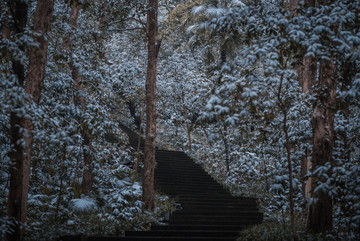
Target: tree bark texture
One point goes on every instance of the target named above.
(151, 114)
(20, 175)
(306, 71)
(307, 78)
(320, 213)
(88, 177)
(293, 5)
(16, 197)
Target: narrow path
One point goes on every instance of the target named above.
(208, 211)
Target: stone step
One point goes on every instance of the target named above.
(218, 205)
(183, 233)
(183, 167)
(225, 208)
(215, 198)
(202, 218)
(173, 158)
(184, 178)
(175, 192)
(142, 238)
(217, 212)
(226, 196)
(209, 186)
(187, 181)
(175, 174)
(180, 168)
(236, 228)
(213, 222)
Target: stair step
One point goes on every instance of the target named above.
(236, 228)
(220, 197)
(183, 233)
(182, 176)
(186, 181)
(221, 212)
(205, 207)
(214, 222)
(215, 199)
(142, 238)
(189, 171)
(192, 186)
(175, 192)
(201, 218)
(219, 202)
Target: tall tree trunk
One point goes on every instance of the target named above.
(320, 213)
(306, 72)
(20, 175)
(88, 177)
(307, 78)
(14, 206)
(151, 114)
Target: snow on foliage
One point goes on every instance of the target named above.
(84, 204)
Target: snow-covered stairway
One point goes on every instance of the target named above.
(208, 211)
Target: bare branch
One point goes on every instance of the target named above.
(125, 29)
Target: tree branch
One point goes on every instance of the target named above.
(125, 29)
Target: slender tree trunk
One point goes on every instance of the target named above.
(226, 149)
(188, 129)
(88, 177)
(320, 213)
(136, 166)
(288, 152)
(291, 191)
(21, 157)
(151, 114)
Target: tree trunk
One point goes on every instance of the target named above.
(284, 110)
(188, 129)
(307, 78)
(226, 149)
(293, 5)
(149, 152)
(320, 213)
(306, 72)
(88, 177)
(291, 188)
(138, 156)
(20, 175)
(15, 211)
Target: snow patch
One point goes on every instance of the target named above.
(84, 204)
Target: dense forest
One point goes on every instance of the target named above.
(264, 94)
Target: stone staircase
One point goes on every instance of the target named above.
(208, 212)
